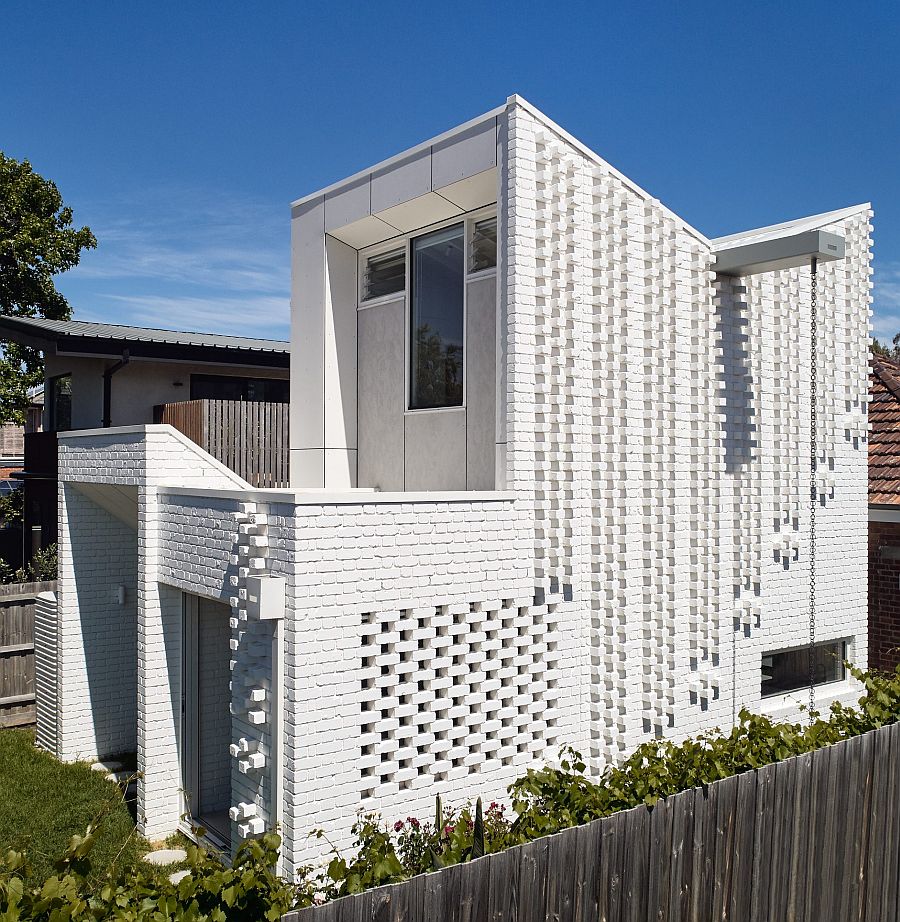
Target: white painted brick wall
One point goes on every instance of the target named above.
(655, 451)
(97, 661)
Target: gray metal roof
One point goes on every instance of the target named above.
(86, 337)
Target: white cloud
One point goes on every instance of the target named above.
(180, 259)
(260, 317)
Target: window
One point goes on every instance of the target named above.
(483, 251)
(60, 407)
(436, 319)
(788, 670)
(385, 275)
(233, 387)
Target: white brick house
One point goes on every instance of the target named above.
(571, 507)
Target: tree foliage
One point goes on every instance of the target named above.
(891, 351)
(37, 242)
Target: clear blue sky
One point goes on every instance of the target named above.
(181, 131)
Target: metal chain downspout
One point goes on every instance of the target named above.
(813, 479)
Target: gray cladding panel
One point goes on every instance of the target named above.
(401, 182)
(382, 395)
(436, 450)
(464, 155)
(481, 384)
(347, 204)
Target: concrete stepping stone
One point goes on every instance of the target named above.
(177, 876)
(164, 856)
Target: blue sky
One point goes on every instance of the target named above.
(180, 131)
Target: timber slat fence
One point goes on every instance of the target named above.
(248, 436)
(815, 838)
(17, 603)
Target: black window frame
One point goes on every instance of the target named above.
(52, 408)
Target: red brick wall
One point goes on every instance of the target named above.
(884, 594)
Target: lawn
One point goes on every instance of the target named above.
(43, 803)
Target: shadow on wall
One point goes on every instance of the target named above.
(741, 428)
(104, 561)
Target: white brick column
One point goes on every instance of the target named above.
(159, 684)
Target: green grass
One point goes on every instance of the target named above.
(43, 803)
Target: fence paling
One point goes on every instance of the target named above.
(17, 678)
(816, 837)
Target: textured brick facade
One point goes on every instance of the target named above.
(653, 541)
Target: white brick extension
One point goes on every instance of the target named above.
(650, 543)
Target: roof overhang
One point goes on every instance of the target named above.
(788, 252)
(26, 332)
(444, 178)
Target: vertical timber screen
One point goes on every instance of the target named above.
(249, 437)
(815, 838)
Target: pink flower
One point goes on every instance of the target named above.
(449, 829)
(412, 822)
(398, 825)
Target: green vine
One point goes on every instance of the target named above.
(544, 801)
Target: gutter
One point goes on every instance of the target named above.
(107, 387)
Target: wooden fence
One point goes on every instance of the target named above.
(249, 437)
(17, 603)
(815, 838)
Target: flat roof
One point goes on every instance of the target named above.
(80, 337)
(787, 228)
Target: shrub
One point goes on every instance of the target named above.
(552, 798)
(43, 566)
(249, 889)
(544, 800)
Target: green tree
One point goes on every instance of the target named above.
(37, 242)
(883, 349)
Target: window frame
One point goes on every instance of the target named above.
(394, 245)
(409, 309)
(468, 219)
(776, 696)
(50, 386)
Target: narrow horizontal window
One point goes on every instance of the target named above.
(483, 248)
(385, 275)
(789, 670)
(436, 319)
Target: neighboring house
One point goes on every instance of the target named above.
(884, 514)
(550, 485)
(102, 375)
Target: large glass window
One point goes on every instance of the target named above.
(788, 670)
(60, 415)
(233, 387)
(436, 319)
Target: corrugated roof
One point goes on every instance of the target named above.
(884, 432)
(55, 329)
